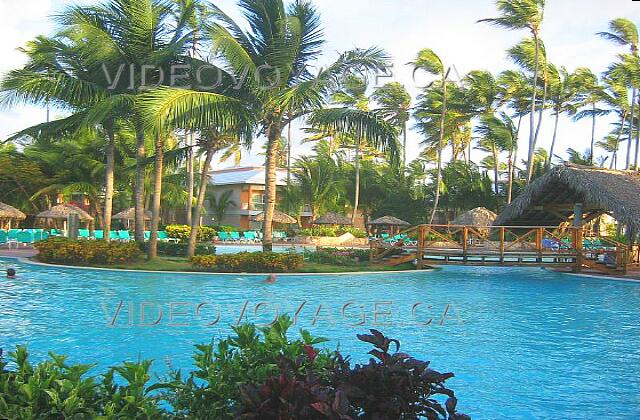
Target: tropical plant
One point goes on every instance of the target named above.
(395, 105)
(221, 204)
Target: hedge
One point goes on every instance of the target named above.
(182, 232)
(171, 249)
(249, 262)
(71, 251)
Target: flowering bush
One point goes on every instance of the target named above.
(332, 232)
(182, 232)
(337, 256)
(70, 251)
(171, 249)
(249, 262)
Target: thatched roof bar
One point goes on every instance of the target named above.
(9, 212)
(332, 219)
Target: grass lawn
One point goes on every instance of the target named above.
(181, 264)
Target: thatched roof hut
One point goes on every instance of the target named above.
(278, 217)
(479, 216)
(62, 211)
(332, 219)
(550, 200)
(388, 221)
(9, 212)
(130, 214)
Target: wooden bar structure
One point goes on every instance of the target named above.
(542, 246)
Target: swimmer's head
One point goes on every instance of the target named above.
(11, 272)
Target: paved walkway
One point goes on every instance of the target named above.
(18, 253)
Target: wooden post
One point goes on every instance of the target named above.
(465, 241)
(578, 246)
(502, 232)
(539, 234)
(420, 251)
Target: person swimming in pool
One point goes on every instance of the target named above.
(11, 273)
(271, 279)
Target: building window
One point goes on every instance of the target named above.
(257, 202)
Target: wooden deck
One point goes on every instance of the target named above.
(567, 248)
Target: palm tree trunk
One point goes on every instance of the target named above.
(495, 169)
(197, 211)
(532, 115)
(553, 139)
(289, 155)
(275, 132)
(356, 200)
(637, 146)
(190, 178)
(593, 133)
(541, 110)
(108, 182)
(436, 200)
(157, 196)
(404, 145)
(614, 158)
(139, 184)
(630, 139)
(510, 169)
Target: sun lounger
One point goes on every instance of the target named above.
(84, 234)
(235, 236)
(164, 237)
(124, 235)
(25, 238)
(223, 237)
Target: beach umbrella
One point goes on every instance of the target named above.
(479, 216)
(62, 212)
(332, 219)
(392, 223)
(130, 214)
(9, 213)
(278, 217)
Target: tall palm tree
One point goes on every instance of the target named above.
(562, 92)
(395, 104)
(429, 61)
(270, 65)
(624, 32)
(516, 15)
(588, 96)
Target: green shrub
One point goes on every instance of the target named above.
(71, 251)
(332, 231)
(254, 374)
(182, 232)
(172, 249)
(337, 256)
(226, 228)
(249, 262)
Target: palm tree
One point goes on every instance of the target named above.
(588, 95)
(429, 61)
(395, 104)
(624, 32)
(271, 67)
(524, 14)
(562, 91)
(221, 204)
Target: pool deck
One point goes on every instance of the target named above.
(28, 252)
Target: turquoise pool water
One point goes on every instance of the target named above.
(523, 343)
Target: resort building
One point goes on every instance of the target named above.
(247, 196)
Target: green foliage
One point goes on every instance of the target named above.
(249, 262)
(337, 256)
(70, 251)
(182, 232)
(225, 228)
(332, 231)
(258, 373)
(55, 389)
(171, 249)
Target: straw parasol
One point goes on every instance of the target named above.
(278, 217)
(62, 211)
(332, 219)
(130, 214)
(9, 213)
(479, 216)
(389, 221)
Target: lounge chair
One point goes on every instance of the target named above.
(147, 235)
(235, 236)
(84, 234)
(98, 234)
(113, 235)
(249, 237)
(3, 237)
(223, 237)
(164, 237)
(25, 238)
(124, 235)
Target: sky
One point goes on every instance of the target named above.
(402, 28)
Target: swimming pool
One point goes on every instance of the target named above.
(523, 343)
